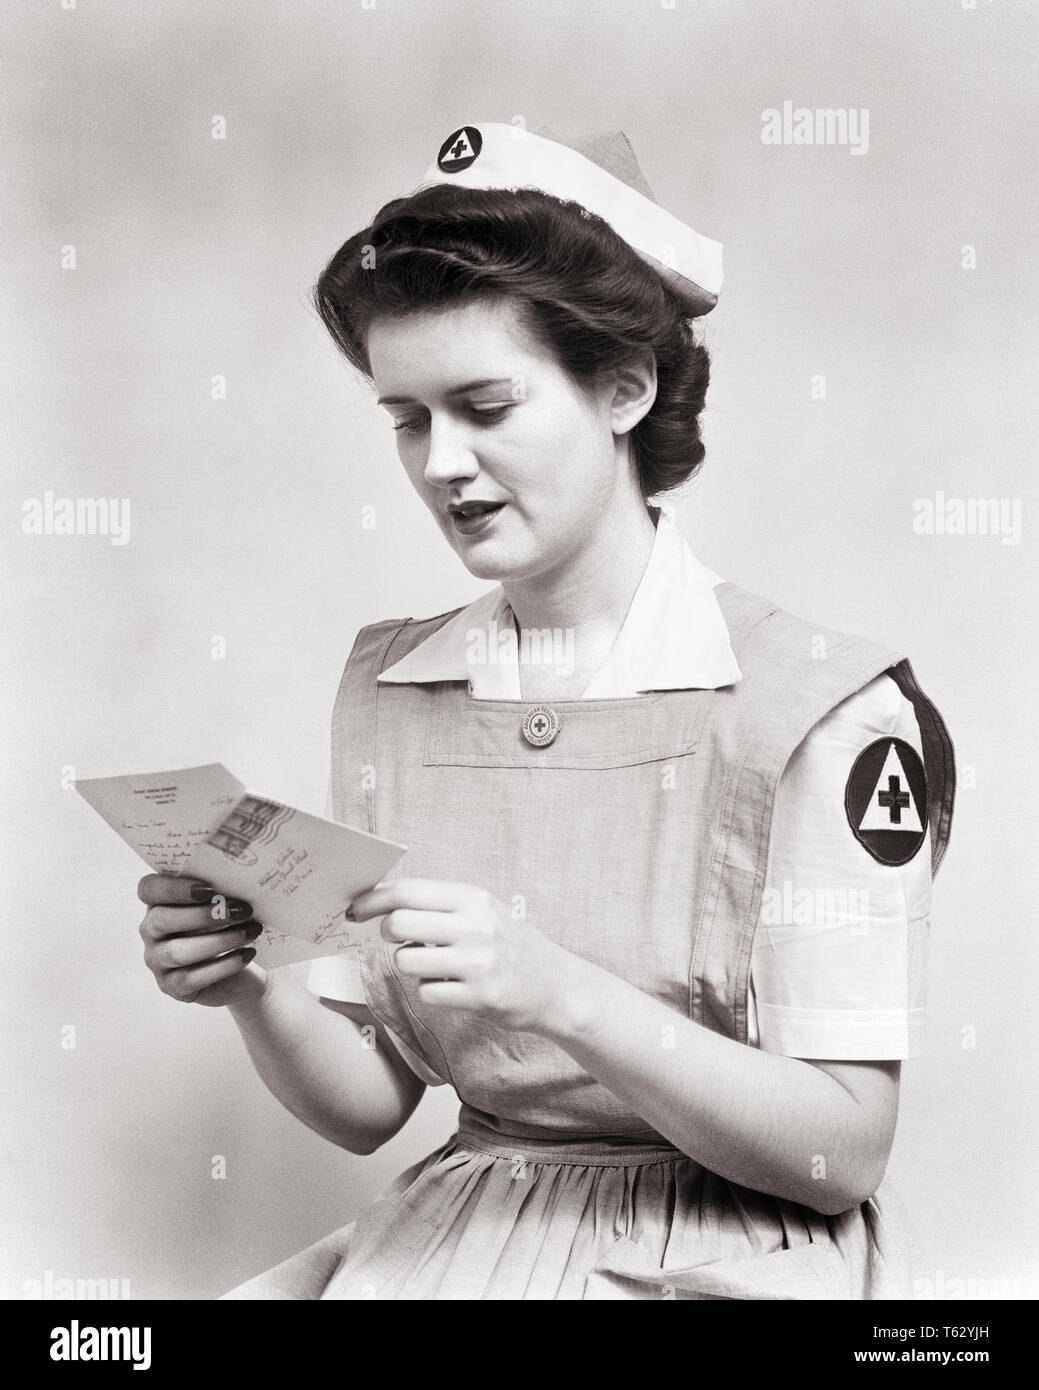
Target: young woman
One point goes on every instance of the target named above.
(663, 916)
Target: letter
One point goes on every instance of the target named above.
(831, 126)
(538, 645)
(804, 126)
(831, 906)
(771, 129)
(142, 1348)
(955, 516)
(119, 520)
(939, 513)
(923, 517)
(115, 1344)
(91, 516)
(32, 518)
(860, 141)
(89, 1344)
(60, 1344)
(968, 257)
(32, 1288)
(982, 516)
(506, 650)
(91, 1289)
(788, 901)
(565, 664)
(476, 647)
(770, 913)
(803, 908)
(64, 517)
(1011, 528)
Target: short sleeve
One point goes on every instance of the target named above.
(839, 961)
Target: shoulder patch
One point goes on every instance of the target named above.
(885, 800)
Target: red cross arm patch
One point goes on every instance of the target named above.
(886, 800)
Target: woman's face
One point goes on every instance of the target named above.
(484, 414)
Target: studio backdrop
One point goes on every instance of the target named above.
(175, 176)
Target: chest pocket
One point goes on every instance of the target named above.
(466, 732)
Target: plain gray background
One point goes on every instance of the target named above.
(193, 259)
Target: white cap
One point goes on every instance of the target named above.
(602, 174)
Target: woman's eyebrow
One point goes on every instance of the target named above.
(455, 390)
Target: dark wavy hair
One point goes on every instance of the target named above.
(581, 291)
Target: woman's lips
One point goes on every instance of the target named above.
(470, 525)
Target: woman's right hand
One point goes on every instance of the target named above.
(185, 937)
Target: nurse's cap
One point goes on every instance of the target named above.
(602, 174)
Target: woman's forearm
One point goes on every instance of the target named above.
(331, 1073)
(768, 1122)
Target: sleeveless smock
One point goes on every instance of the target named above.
(637, 839)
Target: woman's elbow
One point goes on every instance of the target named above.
(836, 1196)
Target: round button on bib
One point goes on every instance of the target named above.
(540, 725)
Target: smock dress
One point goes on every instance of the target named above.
(696, 824)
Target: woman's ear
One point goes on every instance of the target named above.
(634, 390)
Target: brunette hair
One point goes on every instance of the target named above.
(581, 291)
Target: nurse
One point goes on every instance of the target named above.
(663, 919)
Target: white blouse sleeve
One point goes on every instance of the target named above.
(338, 977)
(839, 962)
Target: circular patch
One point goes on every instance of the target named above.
(886, 800)
(540, 725)
(459, 150)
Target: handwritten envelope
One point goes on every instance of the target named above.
(298, 871)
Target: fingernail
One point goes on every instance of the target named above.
(253, 930)
(238, 909)
(201, 892)
(350, 915)
(247, 953)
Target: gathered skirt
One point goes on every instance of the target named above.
(485, 1216)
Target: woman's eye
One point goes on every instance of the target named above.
(494, 414)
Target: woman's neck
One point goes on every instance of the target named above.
(590, 596)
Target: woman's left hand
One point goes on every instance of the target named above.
(474, 955)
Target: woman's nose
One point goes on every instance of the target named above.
(450, 454)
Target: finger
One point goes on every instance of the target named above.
(170, 888)
(430, 962)
(185, 984)
(431, 928)
(174, 952)
(177, 921)
(450, 994)
(423, 894)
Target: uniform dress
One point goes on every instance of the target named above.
(685, 827)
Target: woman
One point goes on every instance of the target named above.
(664, 908)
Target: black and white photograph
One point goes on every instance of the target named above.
(520, 599)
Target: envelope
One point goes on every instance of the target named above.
(299, 872)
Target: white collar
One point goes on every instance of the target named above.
(674, 636)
